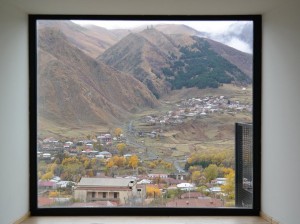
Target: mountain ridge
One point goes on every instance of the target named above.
(74, 88)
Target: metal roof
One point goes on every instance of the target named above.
(105, 182)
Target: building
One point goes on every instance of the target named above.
(244, 164)
(119, 190)
(104, 138)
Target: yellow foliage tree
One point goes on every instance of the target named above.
(152, 191)
(53, 194)
(110, 163)
(196, 177)
(47, 176)
(152, 165)
(118, 132)
(121, 147)
(229, 187)
(119, 160)
(133, 161)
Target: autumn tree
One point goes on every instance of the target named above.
(53, 194)
(121, 147)
(195, 177)
(73, 169)
(152, 191)
(110, 163)
(133, 161)
(47, 176)
(151, 165)
(229, 187)
(119, 160)
(118, 132)
(96, 164)
(211, 172)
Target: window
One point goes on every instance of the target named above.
(164, 111)
(115, 194)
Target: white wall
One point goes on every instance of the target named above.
(281, 111)
(14, 166)
(281, 92)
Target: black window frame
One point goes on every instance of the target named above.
(148, 211)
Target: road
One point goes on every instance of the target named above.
(149, 155)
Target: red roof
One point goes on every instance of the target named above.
(44, 201)
(46, 184)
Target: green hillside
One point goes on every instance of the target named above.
(200, 66)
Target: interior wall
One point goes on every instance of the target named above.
(14, 160)
(281, 79)
(281, 110)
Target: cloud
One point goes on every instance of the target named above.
(240, 45)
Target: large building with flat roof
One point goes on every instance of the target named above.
(119, 190)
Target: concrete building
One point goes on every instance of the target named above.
(120, 190)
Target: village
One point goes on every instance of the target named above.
(105, 188)
(116, 168)
(198, 108)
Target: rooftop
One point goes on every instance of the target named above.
(105, 182)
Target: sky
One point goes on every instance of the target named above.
(206, 26)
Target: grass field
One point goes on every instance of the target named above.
(214, 132)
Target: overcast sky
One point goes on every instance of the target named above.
(207, 26)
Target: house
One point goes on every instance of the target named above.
(105, 154)
(186, 186)
(119, 190)
(47, 185)
(104, 138)
(157, 175)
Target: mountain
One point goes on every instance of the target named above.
(74, 89)
(178, 29)
(92, 40)
(203, 65)
(163, 61)
(242, 60)
(143, 55)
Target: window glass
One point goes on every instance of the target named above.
(145, 113)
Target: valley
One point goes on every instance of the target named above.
(158, 108)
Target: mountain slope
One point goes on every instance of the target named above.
(75, 90)
(143, 55)
(92, 40)
(174, 61)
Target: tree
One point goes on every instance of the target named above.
(133, 161)
(121, 147)
(53, 194)
(73, 169)
(118, 132)
(97, 146)
(229, 187)
(211, 172)
(196, 175)
(152, 191)
(47, 176)
(119, 160)
(110, 163)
